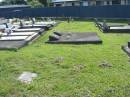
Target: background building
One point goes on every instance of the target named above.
(65, 3)
(88, 2)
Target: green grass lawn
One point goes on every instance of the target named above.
(68, 70)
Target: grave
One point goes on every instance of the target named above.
(15, 37)
(113, 27)
(121, 29)
(74, 38)
(12, 45)
(126, 48)
(16, 42)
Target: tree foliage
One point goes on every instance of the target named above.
(8, 2)
(33, 3)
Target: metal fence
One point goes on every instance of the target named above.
(114, 11)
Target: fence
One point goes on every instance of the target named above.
(114, 11)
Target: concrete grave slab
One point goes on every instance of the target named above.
(71, 37)
(12, 44)
(16, 42)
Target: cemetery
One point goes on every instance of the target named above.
(64, 52)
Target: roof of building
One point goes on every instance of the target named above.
(54, 1)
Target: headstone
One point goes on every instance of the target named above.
(33, 21)
(49, 19)
(129, 22)
(8, 31)
(6, 25)
(27, 77)
(21, 24)
(105, 25)
(129, 44)
(43, 19)
(0, 34)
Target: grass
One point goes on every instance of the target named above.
(68, 70)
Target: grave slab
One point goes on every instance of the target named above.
(75, 37)
(15, 42)
(113, 27)
(12, 44)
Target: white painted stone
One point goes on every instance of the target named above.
(124, 27)
(13, 37)
(45, 23)
(28, 29)
(19, 34)
(35, 25)
(31, 37)
(27, 77)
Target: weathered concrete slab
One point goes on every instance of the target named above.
(12, 44)
(86, 37)
(16, 42)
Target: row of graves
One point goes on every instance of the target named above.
(16, 33)
(108, 27)
(112, 27)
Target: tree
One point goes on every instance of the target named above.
(43, 2)
(8, 2)
(33, 3)
(38, 2)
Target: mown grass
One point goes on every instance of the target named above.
(68, 70)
